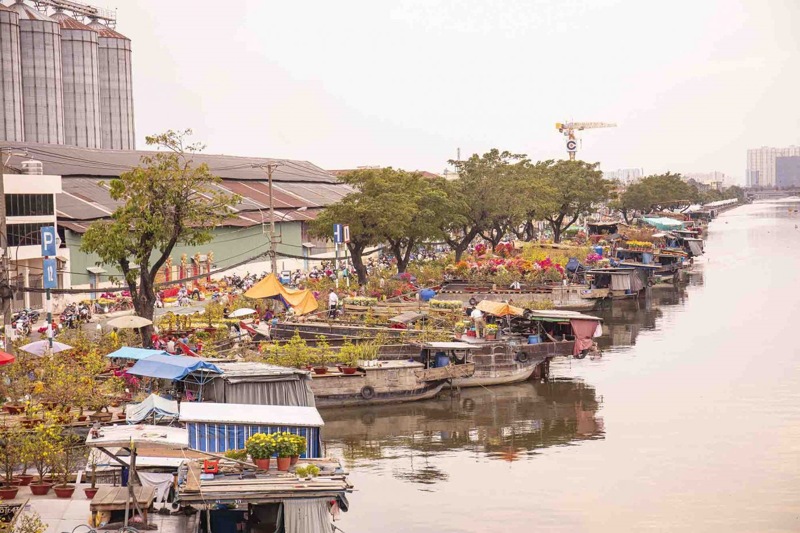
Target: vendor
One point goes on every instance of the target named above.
(480, 324)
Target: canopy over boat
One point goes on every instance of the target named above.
(173, 367)
(499, 308)
(128, 352)
(301, 301)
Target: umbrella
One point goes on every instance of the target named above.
(43, 347)
(129, 322)
(6, 358)
(244, 311)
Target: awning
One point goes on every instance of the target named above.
(301, 301)
(153, 406)
(173, 367)
(258, 415)
(499, 308)
(96, 270)
(127, 352)
(140, 434)
(663, 223)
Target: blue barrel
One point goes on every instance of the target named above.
(533, 339)
(598, 250)
(442, 360)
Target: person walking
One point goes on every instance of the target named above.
(333, 303)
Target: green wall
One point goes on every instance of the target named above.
(230, 246)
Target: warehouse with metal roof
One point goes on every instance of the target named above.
(300, 190)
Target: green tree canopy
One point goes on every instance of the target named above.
(657, 192)
(574, 188)
(166, 200)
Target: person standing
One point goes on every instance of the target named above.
(333, 303)
(478, 320)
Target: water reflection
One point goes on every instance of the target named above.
(506, 423)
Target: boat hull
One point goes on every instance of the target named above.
(490, 377)
(353, 399)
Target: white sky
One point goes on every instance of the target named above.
(691, 83)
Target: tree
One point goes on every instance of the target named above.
(575, 188)
(167, 200)
(388, 206)
(486, 199)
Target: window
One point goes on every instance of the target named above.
(25, 234)
(29, 205)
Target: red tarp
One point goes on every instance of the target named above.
(584, 331)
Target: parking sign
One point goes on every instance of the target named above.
(48, 241)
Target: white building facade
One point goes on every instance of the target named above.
(762, 163)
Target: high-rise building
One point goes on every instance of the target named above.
(624, 175)
(762, 164)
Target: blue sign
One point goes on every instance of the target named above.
(50, 274)
(341, 233)
(48, 241)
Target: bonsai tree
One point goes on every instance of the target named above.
(68, 457)
(12, 449)
(43, 445)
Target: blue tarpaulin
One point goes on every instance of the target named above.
(172, 367)
(126, 352)
(663, 223)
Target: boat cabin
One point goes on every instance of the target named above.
(622, 282)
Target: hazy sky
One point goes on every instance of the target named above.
(691, 83)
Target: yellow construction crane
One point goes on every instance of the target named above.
(569, 129)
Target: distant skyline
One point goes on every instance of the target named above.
(692, 85)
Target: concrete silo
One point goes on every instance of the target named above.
(79, 64)
(116, 89)
(11, 124)
(40, 58)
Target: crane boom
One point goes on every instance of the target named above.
(569, 129)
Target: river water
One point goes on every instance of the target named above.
(690, 420)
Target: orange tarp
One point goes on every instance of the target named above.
(302, 301)
(499, 308)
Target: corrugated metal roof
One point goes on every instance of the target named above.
(84, 200)
(105, 31)
(262, 415)
(87, 162)
(69, 23)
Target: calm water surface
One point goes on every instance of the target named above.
(690, 421)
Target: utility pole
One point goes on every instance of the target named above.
(269, 167)
(5, 302)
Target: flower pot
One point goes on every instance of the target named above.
(40, 489)
(25, 479)
(82, 418)
(320, 369)
(29, 423)
(90, 492)
(294, 459)
(16, 482)
(284, 463)
(491, 336)
(100, 417)
(8, 493)
(263, 464)
(13, 408)
(348, 370)
(64, 491)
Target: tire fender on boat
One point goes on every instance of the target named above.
(522, 357)
(367, 392)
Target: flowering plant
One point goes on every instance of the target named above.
(285, 444)
(491, 328)
(446, 304)
(300, 444)
(260, 446)
(593, 258)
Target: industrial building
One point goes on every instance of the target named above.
(763, 166)
(64, 81)
(300, 191)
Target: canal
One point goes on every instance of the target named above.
(689, 421)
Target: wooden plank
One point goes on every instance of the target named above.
(193, 477)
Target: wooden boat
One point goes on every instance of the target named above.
(574, 296)
(496, 362)
(386, 382)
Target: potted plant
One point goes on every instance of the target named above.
(349, 356)
(307, 471)
(42, 446)
(11, 449)
(260, 448)
(459, 329)
(284, 447)
(299, 448)
(66, 460)
(92, 490)
(491, 332)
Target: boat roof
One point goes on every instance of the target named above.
(243, 369)
(122, 436)
(406, 317)
(565, 315)
(449, 345)
(612, 270)
(264, 415)
(636, 265)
